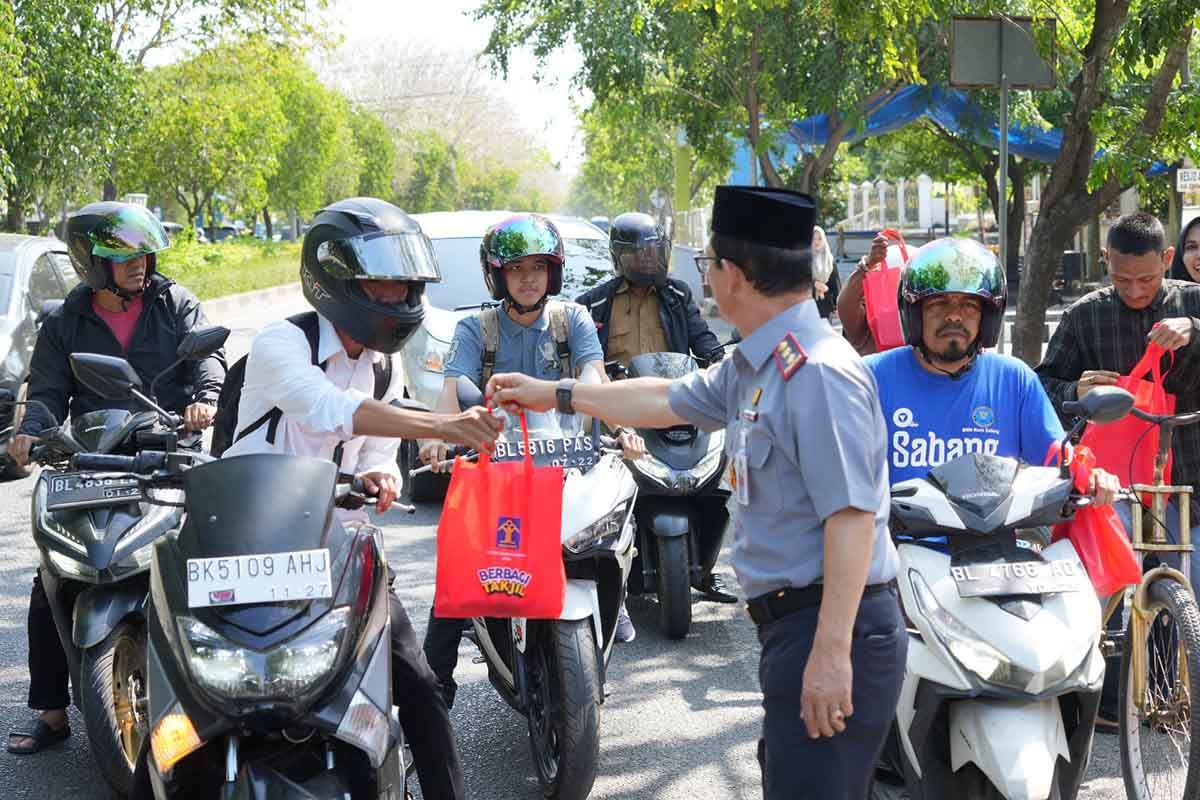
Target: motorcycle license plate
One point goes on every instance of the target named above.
(1025, 577)
(66, 490)
(566, 452)
(261, 578)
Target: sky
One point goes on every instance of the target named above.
(548, 105)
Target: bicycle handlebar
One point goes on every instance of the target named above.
(1167, 420)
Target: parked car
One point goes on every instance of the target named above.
(35, 276)
(174, 229)
(456, 236)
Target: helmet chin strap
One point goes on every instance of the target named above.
(972, 354)
(124, 295)
(520, 309)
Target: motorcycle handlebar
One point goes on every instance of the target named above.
(143, 463)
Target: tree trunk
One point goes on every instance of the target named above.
(1051, 236)
(267, 224)
(15, 221)
(1016, 210)
(110, 182)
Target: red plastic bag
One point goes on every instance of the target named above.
(1097, 534)
(1131, 441)
(499, 541)
(880, 290)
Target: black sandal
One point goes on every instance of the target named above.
(43, 736)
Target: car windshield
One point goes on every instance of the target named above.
(555, 439)
(588, 264)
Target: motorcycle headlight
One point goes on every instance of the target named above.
(288, 670)
(72, 568)
(600, 533)
(652, 468)
(712, 459)
(47, 521)
(985, 661)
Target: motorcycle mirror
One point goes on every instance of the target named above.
(107, 376)
(1101, 405)
(468, 393)
(202, 342)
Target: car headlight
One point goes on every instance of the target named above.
(288, 670)
(601, 532)
(72, 568)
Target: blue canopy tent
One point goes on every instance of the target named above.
(950, 109)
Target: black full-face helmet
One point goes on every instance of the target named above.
(367, 239)
(641, 250)
(100, 234)
(953, 266)
(516, 237)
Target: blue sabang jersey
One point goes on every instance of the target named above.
(998, 407)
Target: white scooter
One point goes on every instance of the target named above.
(552, 671)
(1004, 671)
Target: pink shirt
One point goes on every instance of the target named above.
(120, 322)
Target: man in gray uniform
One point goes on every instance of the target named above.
(808, 453)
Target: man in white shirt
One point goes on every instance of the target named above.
(314, 386)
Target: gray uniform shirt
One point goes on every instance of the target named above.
(815, 440)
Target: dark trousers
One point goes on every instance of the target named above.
(795, 767)
(442, 638)
(49, 672)
(423, 713)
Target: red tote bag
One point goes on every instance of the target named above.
(1127, 447)
(1097, 534)
(499, 541)
(880, 289)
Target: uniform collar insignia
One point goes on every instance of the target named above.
(789, 356)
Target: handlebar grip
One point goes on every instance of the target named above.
(103, 462)
(1072, 408)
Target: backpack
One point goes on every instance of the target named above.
(225, 425)
(489, 328)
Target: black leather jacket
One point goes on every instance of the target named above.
(686, 330)
(169, 313)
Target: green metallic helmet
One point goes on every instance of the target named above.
(102, 233)
(953, 266)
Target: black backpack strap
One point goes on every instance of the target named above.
(310, 324)
(383, 376)
(489, 332)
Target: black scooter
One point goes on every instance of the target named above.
(95, 532)
(681, 509)
(268, 661)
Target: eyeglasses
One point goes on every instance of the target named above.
(704, 262)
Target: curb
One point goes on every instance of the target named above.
(222, 305)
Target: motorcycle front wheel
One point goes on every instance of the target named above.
(674, 586)
(114, 703)
(1160, 742)
(564, 709)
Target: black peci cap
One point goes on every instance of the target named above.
(771, 217)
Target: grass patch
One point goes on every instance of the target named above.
(230, 267)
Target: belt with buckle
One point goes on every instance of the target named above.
(781, 602)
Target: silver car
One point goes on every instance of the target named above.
(35, 276)
(456, 236)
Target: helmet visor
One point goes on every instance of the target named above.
(397, 257)
(128, 233)
(644, 263)
(523, 236)
(945, 268)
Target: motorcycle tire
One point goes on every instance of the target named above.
(564, 713)
(674, 586)
(114, 705)
(1176, 624)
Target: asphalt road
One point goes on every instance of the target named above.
(680, 721)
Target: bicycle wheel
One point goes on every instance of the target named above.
(1160, 744)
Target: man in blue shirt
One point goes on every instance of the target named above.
(522, 262)
(941, 396)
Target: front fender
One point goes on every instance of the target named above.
(669, 524)
(99, 609)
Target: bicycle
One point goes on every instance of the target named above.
(1160, 644)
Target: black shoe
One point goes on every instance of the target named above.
(711, 588)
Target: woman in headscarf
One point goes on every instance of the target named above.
(1185, 266)
(826, 281)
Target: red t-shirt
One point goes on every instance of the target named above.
(120, 322)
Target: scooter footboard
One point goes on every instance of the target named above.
(1016, 745)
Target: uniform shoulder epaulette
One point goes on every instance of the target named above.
(789, 356)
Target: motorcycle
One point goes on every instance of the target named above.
(1004, 672)
(268, 652)
(552, 671)
(681, 510)
(95, 531)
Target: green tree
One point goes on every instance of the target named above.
(75, 92)
(433, 183)
(217, 126)
(1121, 63)
(10, 83)
(741, 69)
(377, 152)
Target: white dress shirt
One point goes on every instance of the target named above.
(318, 405)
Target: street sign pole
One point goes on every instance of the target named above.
(1002, 223)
